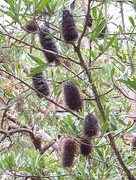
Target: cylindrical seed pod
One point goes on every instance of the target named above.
(85, 150)
(90, 126)
(48, 44)
(32, 26)
(72, 95)
(69, 29)
(68, 151)
(133, 143)
(89, 23)
(40, 84)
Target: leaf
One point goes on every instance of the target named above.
(37, 60)
(132, 21)
(120, 28)
(107, 113)
(54, 86)
(129, 83)
(94, 11)
(26, 169)
(8, 94)
(131, 159)
(49, 36)
(105, 127)
(99, 152)
(112, 72)
(110, 42)
(122, 122)
(105, 39)
(41, 5)
(99, 28)
(36, 70)
(7, 107)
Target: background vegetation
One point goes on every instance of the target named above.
(102, 66)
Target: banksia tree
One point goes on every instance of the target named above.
(31, 26)
(133, 143)
(48, 44)
(90, 126)
(72, 95)
(40, 84)
(85, 149)
(68, 151)
(69, 29)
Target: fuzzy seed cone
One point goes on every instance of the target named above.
(102, 34)
(90, 126)
(133, 143)
(40, 84)
(72, 95)
(31, 26)
(48, 44)
(69, 29)
(85, 150)
(68, 151)
(89, 23)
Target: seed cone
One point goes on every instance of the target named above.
(48, 44)
(32, 26)
(40, 84)
(133, 143)
(89, 23)
(85, 150)
(68, 151)
(72, 95)
(90, 126)
(69, 29)
(101, 35)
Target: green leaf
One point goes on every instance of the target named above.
(37, 60)
(94, 11)
(54, 86)
(105, 39)
(8, 94)
(105, 127)
(99, 28)
(110, 42)
(131, 159)
(120, 28)
(107, 113)
(112, 72)
(49, 36)
(122, 122)
(26, 169)
(99, 152)
(41, 5)
(129, 83)
(7, 107)
(36, 70)
(132, 21)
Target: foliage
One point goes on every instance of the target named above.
(103, 68)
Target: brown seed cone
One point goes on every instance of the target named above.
(72, 95)
(102, 33)
(68, 151)
(133, 143)
(69, 29)
(40, 84)
(48, 44)
(85, 150)
(90, 126)
(32, 26)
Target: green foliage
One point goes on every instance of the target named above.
(109, 60)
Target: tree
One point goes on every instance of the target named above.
(56, 95)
